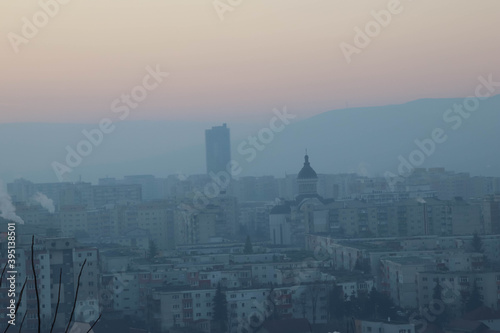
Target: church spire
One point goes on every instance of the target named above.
(307, 172)
(307, 179)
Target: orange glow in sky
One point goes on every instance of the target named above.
(263, 54)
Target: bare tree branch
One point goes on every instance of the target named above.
(22, 322)
(3, 271)
(38, 298)
(76, 296)
(36, 284)
(58, 301)
(91, 327)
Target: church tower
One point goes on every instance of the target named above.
(307, 180)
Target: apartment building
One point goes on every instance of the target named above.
(458, 283)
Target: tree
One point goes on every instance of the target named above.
(153, 250)
(373, 305)
(437, 292)
(220, 309)
(382, 304)
(337, 303)
(385, 305)
(358, 266)
(437, 295)
(477, 243)
(364, 307)
(248, 246)
(373, 298)
(314, 293)
(273, 298)
(474, 301)
(362, 265)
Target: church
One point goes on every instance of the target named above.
(290, 221)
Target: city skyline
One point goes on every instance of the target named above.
(430, 133)
(250, 166)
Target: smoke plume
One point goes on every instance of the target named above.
(7, 209)
(46, 203)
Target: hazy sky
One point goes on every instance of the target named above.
(264, 54)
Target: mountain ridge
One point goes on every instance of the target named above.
(367, 140)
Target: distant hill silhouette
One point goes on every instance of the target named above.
(364, 140)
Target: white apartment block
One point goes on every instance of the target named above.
(455, 283)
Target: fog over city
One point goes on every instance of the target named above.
(237, 166)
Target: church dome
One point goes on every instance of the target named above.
(307, 172)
